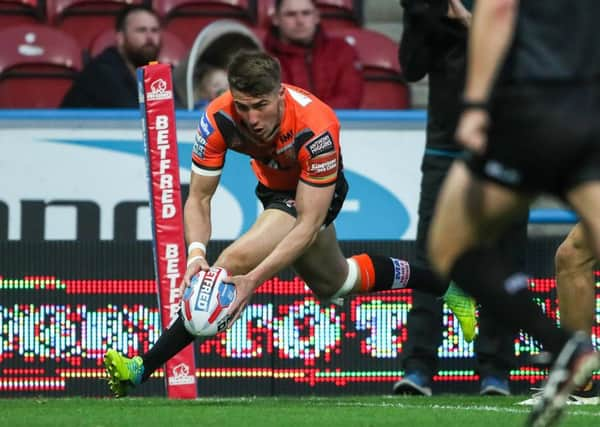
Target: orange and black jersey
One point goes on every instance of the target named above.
(306, 147)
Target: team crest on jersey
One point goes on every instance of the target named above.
(205, 127)
(320, 145)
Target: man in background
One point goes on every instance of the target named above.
(326, 66)
(434, 43)
(109, 80)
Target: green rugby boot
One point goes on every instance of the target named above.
(464, 308)
(123, 373)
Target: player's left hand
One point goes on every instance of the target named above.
(471, 132)
(244, 288)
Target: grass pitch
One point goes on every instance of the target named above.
(442, 411)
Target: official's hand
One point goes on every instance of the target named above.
(244, 288)
(196, 265)
(472, 128)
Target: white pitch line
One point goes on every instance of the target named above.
(329, 402)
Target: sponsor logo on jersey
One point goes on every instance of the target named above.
(199, 145)
(158, 91)
(205, 127)
(323, 167)
(286, 136)
(320, 145)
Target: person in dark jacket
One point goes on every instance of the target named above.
(109, 80)
(433, 43)
(326, 66)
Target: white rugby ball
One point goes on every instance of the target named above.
(205, 303)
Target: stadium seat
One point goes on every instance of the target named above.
(172, 50)
(15, 12)
(334, 13)
(186, 18)
(37, 66)
(85, 19)
(384, 86)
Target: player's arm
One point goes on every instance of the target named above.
(208, 157)
(197, 221)
(491, 33)
(489, 40)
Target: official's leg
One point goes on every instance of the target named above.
(494, 348)
(419, 357)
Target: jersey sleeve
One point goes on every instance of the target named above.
(319, 158)
(208, 153)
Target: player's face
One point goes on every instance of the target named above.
(140, 40)
(261, 115)
(297, 21)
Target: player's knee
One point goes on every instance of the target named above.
(235, 260)
(573, 253)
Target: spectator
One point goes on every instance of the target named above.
(109, 80)
(211, 81)
(326, 66)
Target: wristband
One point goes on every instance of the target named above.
(194, 258)
(197, 245)
(475, 105)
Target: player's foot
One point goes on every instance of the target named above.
(589, 394)
(414, 383)
(464, 308)
(494, 386)
(573, 368)
(123, 373)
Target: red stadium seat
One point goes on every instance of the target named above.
(334, 13)
(85, 19)
(15, 12)
(384, 86)
(172, 50)
(37, 66)
(186, 18)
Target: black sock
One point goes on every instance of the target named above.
(170, 342)
(393, 273)
(482, 273)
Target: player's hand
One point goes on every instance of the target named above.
(472, 130)
(457, 10)
(244, 288)
(193, 267)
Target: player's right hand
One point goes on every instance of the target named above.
(197, 264)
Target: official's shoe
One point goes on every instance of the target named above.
(573, 368)
(414, 383)
(494, 386)
(464, 308)
(123, 373)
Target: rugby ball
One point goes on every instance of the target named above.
(205, 303)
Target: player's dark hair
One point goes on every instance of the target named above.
(121, 18)
(254, 73)
(278, 4)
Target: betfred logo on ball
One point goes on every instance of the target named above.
(206, 301)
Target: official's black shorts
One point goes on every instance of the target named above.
(286, 200)
(543, 138)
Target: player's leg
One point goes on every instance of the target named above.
(574, 263)
(238, 258)
(469, 211)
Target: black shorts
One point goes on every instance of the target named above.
(543, 138)
(285, 200)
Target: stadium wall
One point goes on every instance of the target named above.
(76, 272)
